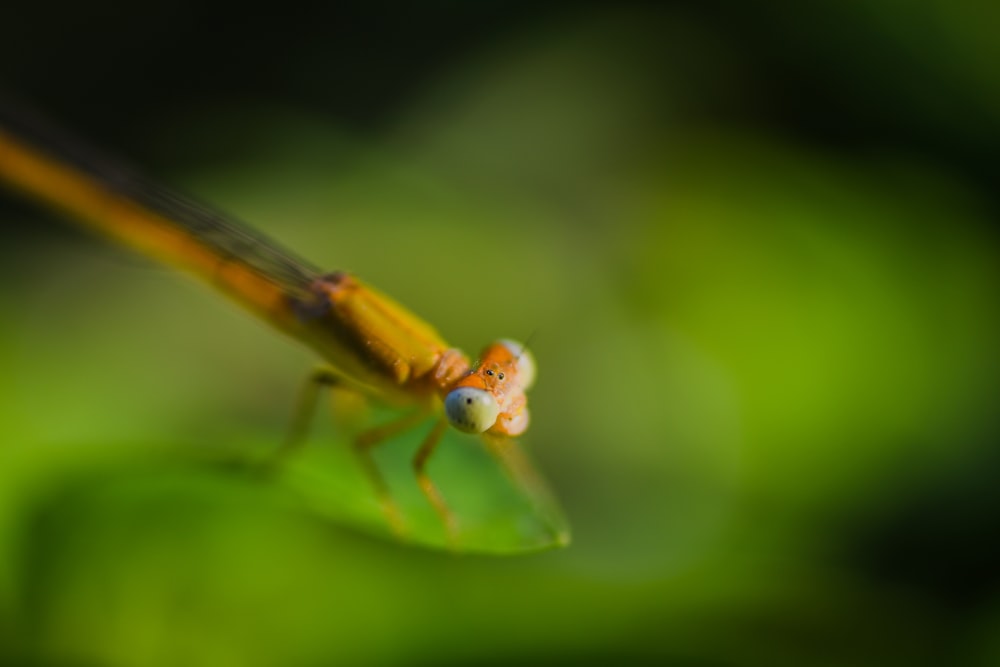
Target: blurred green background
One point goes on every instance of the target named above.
(755, 245)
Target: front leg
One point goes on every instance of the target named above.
(428, 487)
(363, 446)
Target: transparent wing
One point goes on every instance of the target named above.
(229, 238)
(524, 474)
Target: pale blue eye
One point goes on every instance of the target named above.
(526, 368)
(471, 410)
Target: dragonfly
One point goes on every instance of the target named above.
(368, 343)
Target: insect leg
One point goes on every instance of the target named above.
(363, 445)
(428, 487)
(306, 408)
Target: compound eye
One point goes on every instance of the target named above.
(526, 368)
(471, 410)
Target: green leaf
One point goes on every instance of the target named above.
(501, 502)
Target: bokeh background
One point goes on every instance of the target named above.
(754, 245)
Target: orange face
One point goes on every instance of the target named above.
(496, 373)
(491, 397)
